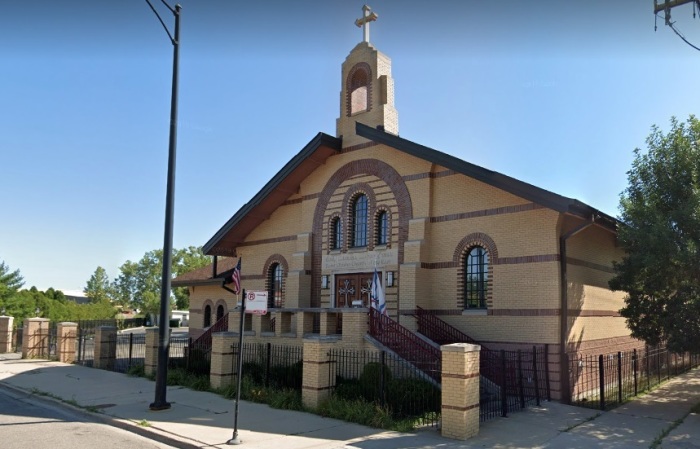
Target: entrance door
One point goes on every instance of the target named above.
(353, 287)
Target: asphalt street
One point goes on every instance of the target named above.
(27, 422)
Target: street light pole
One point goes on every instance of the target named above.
(160, 402)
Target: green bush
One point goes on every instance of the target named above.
(412, 397)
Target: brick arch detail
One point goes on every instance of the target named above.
(327, 236)
(212, 310)
(375, 216)
(475, 239)
(348, 85)
(273, 259)
(372, 167)
(347, 210)
(467, 243)
(220, 302)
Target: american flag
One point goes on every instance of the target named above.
(236, 278)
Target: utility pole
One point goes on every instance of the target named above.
(160, 402)
(667, 6)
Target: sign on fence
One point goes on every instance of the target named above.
(256, 302)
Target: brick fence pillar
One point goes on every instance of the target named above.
(150, 362)
(67, 334)
(105, 347)
(6, 334)
(223, 359)
(460, 390)
(316, 378)
(35, 338)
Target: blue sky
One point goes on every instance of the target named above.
(554, 93)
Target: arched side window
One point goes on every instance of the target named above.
(476, 271)
(359, 221)
(336, 233)
(219, 312)
(274, 293)
(382, 227)
(207, 316)
(358, 89)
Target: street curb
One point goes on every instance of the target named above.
(152, 433)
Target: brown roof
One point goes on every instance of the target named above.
(205, 275)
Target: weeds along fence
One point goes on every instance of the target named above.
(274, 366)
(512, 380)
(605, 381)
(388, 381)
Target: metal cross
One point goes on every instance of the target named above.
(367, 17)
(347, 290)
(367, 290)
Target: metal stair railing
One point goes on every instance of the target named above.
(438, 330)
(204, 340)
(405, 343)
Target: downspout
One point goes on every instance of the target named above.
(564, 312)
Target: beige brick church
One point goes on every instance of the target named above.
(505, 262)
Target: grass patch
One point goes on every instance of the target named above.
(664, 433)
(362, 412)
(144, 423)
(137, 371)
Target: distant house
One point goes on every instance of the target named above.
(505, 262)
(76, 296)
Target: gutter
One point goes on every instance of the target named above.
(564, 311)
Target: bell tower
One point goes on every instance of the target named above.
(367, 88)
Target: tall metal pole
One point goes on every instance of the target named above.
(235, 440)
(160, 402)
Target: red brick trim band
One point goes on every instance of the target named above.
(286, 238)
(486, 212)
(359, 146)
(460, 376)
(591, 265)
(526, 312)
(222, 375)
(460, 409)
(304, 387)
(431, 175)
(313, 362)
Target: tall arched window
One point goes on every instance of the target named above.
(219, 312)
(382, 228)
(336, 233)
(274, 294)
(359, 221)
(207, 316)
(476, 278)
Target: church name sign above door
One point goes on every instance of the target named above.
(360, 261)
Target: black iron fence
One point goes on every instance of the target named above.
(511, 381)
(605, 381)
(388, 381)
(17, 339)
(276, 366)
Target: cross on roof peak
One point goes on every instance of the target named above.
(367, 16)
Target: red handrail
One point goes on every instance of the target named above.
(439, 331)
(204, 340)
(405, 343)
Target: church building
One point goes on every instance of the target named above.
(507, 263)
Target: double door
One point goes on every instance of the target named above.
(353, 290)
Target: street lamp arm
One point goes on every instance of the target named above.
(161, 20)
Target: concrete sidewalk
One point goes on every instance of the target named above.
(205, 420)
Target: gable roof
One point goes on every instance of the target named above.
(286, 182)
(273, 194)
(205, 275)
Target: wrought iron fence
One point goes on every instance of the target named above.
(130, 350)
(511, 381)
(276, 366)
(605, 381)
(17, 339)
(387, 380)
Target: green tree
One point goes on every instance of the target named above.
(98, 287)
(660, 211)
(186, 260)
(10, 282)
(139, 282)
